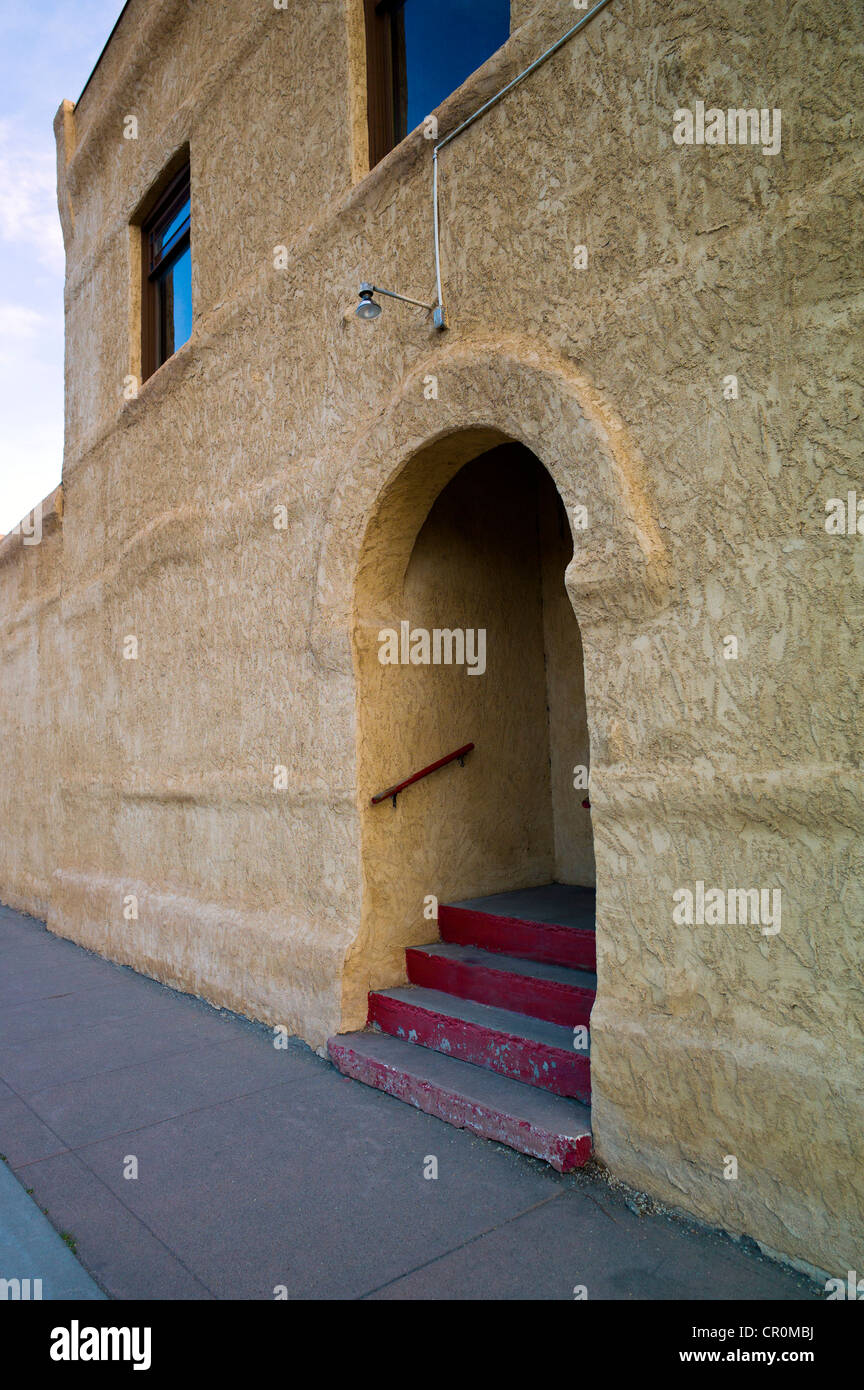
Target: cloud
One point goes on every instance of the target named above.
(28, 207)
(17, 321)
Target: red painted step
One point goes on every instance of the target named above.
(526, 1049)
(483, 1037)
(494, 1107)
(555, 993)
(554, 923)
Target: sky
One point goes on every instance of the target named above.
(47, 51)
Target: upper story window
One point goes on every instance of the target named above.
(418, 52)
(166, 310)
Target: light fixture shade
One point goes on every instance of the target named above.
(368, 309)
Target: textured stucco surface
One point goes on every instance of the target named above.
(154, 776)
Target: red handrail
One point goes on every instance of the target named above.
(424, 772)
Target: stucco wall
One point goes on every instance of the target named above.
(706, 519)
(31, 706)
(569, 742)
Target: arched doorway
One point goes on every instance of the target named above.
(465, 637)
(472, 541)
(618, 581)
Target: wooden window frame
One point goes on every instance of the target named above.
(385, 67)
(156, 262)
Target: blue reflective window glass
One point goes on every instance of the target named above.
(445, 41)
(179, 223)
(176, 289)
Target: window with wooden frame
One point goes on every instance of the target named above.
(417, 53)
(166, 260)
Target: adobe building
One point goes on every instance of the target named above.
(617, 490)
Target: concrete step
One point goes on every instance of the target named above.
(555, 993)
(494, 1107)
(529, 1050)
(553, 923)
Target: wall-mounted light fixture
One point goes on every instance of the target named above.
(368, 309)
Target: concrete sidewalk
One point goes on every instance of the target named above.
(35, 1262)
(260, 1169)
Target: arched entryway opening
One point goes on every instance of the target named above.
(471, 542)
(392, 523)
